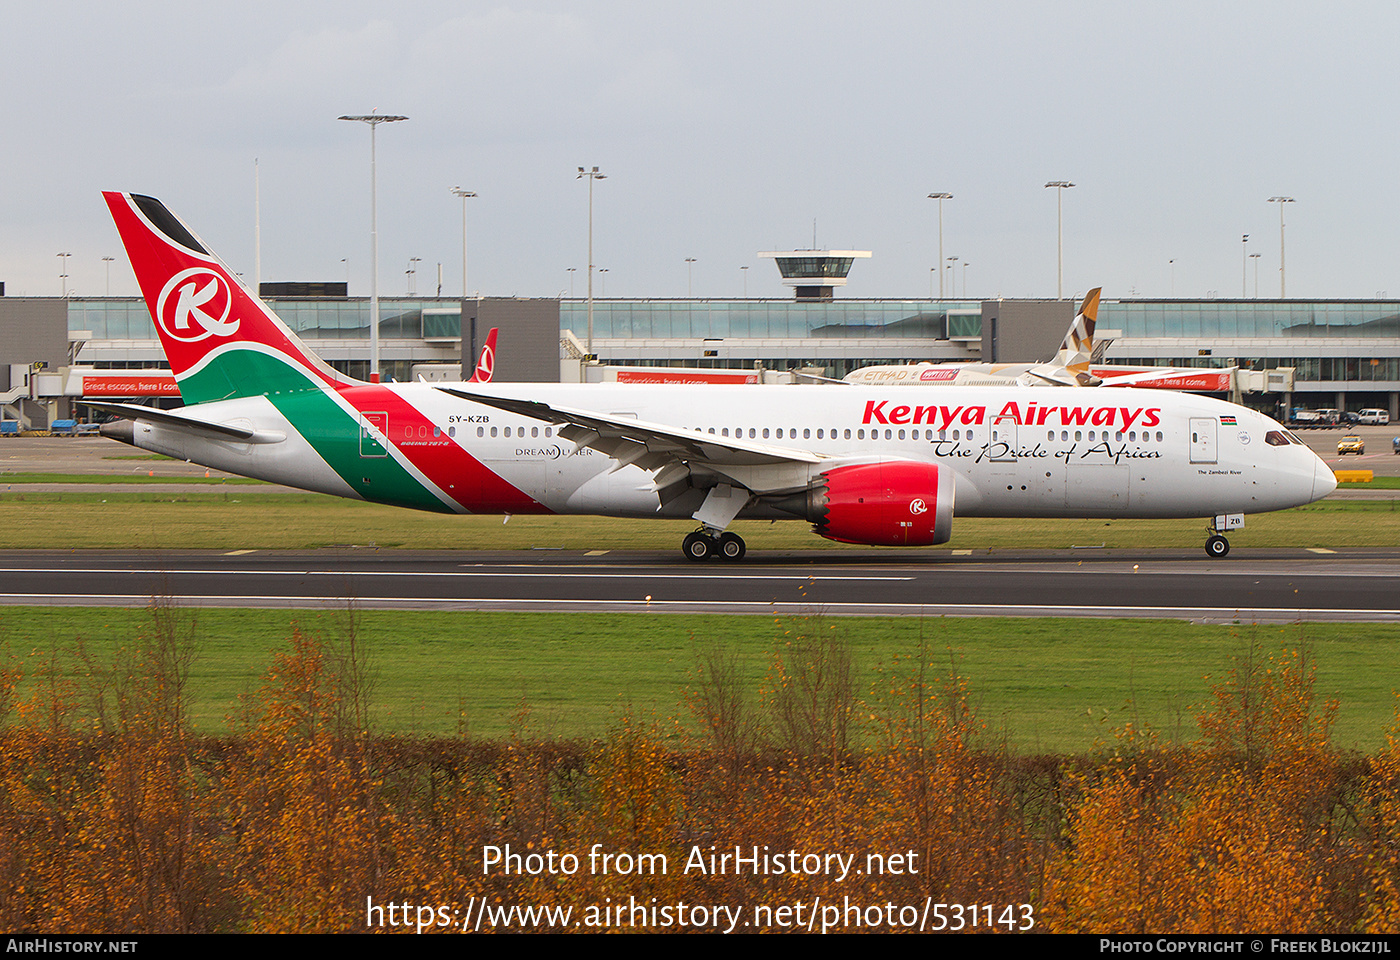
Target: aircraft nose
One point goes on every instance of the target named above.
(1324, 480)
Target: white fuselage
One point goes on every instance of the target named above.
(1014, 452)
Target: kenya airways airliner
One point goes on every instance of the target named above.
(862, 464)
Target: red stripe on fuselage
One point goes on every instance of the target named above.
(440, 458)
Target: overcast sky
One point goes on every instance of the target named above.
(724, 129)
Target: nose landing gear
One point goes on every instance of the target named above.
(702, 545)
(1216, 544)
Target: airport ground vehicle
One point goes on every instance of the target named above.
(1351, 443)
(1374, 416)
(862, 464)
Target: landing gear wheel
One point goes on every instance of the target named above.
(699, 546)
(1217, 546)
(731, 547)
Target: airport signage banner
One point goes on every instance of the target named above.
(1204, 381)
(664, 375)
(132, 385)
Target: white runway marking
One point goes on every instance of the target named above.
(1204, 614)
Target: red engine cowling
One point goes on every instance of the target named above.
(895, 503)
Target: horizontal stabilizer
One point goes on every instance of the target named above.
(170, 418)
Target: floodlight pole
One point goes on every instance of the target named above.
(940, 197)
(374, 120)
(465, 195)
(1060, 187)
(1282, 294)
(1244, 266)
(591, 175)
(63, 273)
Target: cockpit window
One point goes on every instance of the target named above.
(1280, 438)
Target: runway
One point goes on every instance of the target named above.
(1249, 586)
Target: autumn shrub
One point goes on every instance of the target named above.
(114, 816)
(1242, 831)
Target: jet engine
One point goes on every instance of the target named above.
(892, 503)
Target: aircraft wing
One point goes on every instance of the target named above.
(650, 446)
(1049, 375)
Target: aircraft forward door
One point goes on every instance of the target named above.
(369, 442)
(1003, 445)
(1203, 439)
(1021, 478)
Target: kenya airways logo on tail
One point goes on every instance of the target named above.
(196, 304)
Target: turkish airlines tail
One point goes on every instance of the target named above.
(221, 339)
(487, 361)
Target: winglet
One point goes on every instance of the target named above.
(487, 362)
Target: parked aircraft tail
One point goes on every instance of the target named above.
(1077, 351)
(1070, 367)
(487, 361)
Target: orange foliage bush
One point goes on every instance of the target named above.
(1240, 832)
(117, 817)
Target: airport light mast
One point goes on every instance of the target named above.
(465, 195)
(1060, 187)
(940, 197)
(591, 175)
(1244, 266)
(374, 120)
(1282, 295)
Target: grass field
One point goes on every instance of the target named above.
(222, 521)
(1043, 685)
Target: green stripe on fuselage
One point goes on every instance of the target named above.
(331, 431)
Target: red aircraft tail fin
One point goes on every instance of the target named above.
(487, 361)
(217, 334)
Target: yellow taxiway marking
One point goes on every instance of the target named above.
(597, 553)
(238, 553)
(1320, 550)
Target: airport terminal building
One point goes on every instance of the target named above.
(1341, 353)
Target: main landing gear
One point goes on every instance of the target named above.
(702, 545)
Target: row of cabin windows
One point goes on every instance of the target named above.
(858, 434)
(755, 433)
(959, 434)
(1147, 436)
(519, 432)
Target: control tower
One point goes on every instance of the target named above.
(815, 273)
